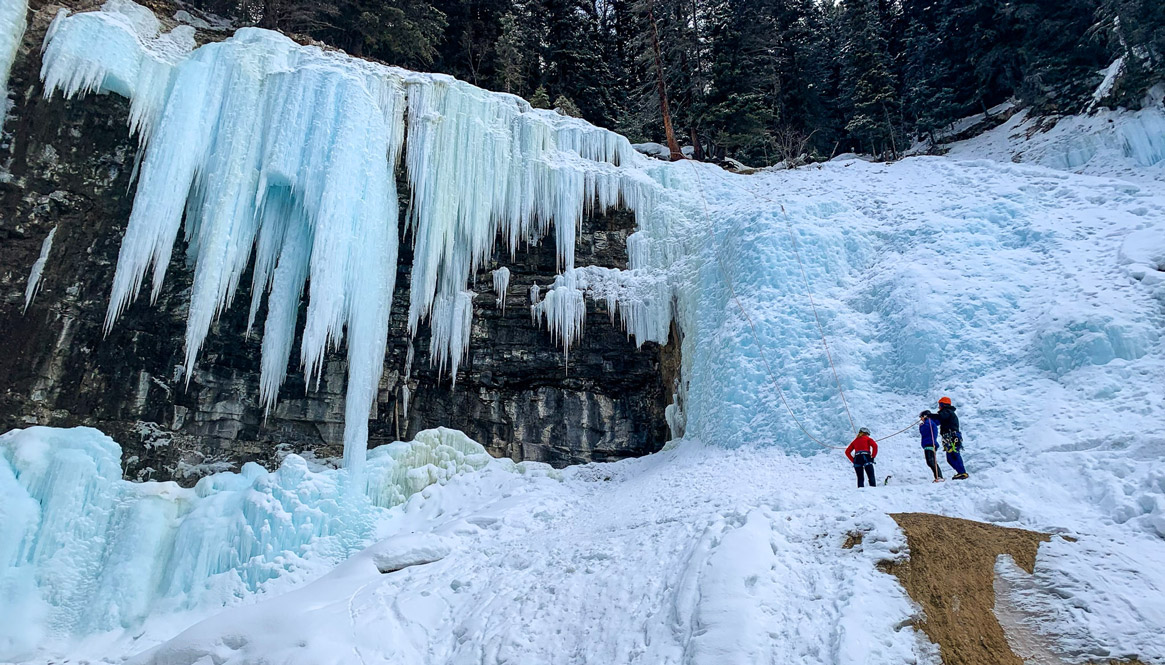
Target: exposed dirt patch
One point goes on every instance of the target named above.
(951, 574)
(852, 540)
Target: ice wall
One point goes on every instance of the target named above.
(83, 551)
(260, 147)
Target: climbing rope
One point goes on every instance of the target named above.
(751, 325)
(820, 328)
(812, 304)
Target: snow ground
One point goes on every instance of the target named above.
(1032, 296)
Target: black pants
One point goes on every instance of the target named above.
(932, 463)
(863, 465)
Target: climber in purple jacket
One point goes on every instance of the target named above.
(928, 428)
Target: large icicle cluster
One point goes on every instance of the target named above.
(642, 298)
(260, 147)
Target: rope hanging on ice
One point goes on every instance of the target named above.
(756, 338)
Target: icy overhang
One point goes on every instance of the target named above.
(261, 149)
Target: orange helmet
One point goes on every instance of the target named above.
(944, 400)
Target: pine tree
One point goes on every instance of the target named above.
(740, 115)
(540, 99)
(1136, 30)
(565, 106)
(1060, 56)
(519, 48)
(575, 65)
(867, 78)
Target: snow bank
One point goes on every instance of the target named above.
(1143, 254)
(288, 153)
(83, 552)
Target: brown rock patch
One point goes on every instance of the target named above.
(951, 574)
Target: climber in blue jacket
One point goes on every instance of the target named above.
(928, 428)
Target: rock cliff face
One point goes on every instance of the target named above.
(68, 164)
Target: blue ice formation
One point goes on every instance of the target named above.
(83, 551)
(288, 153)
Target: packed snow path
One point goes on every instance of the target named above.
(1033, 297)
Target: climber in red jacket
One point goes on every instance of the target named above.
(862, 452)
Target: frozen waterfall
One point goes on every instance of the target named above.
(260, 147)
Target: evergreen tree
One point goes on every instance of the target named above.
(867, 78)
(400, 32)
(565, 106)
(519, 48)
(575, 66)
(1137, 32)
(469, 47)
(1060, 56)
(739, 112)
(540, 99)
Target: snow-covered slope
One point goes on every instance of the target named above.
(1027, 294)
(1117, 143)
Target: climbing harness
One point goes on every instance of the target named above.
(816, 317)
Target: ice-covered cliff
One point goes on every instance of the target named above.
(286, 154)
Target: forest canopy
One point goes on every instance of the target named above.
(759, 80)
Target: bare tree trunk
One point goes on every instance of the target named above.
(890, 127)
(672, 146)
(697, 149)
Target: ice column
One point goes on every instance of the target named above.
(12, 22)
(37, 270)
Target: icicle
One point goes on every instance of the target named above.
(405, 394)
(12, 21)
(409, 361)
(534, 304)
(501, 280)
(565, 311)
(37, 270)
(642, 298)
(452, 323)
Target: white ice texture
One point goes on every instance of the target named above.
(287, 153)
(83, 551)
(501, 284)
(12, 22)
